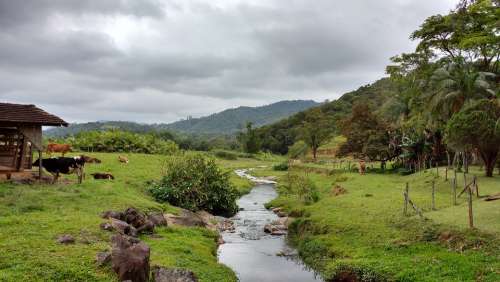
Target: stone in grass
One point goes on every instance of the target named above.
(161, 274)
(158, 219)
(130, 258)
(123, 228)
(65, 239)
(103, 258)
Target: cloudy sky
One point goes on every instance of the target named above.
(159, 61)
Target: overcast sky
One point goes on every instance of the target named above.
(159, 61)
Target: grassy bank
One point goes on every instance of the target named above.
(32, 216)
(363, 231)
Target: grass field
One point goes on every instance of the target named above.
(364, 230)
(31, 217)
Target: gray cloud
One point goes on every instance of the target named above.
(158, 61)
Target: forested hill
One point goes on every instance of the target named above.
(225, 122)
(277, 137)
(232, 120)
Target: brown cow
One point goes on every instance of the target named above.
(58, 148)
(123, 159)
(91, 160)
(362, 167)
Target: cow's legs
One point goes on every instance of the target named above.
(56, 176)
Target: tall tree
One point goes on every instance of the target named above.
(249, 139)
(315, 130)
(457, 83)
(474, 128)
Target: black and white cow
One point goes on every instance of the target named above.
(63, 165)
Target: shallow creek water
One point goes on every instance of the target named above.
(254, 255)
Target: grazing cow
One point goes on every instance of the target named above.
(91, 160)
(63, 165)
(123, 159)
(99, 175)
(58, 148)
(362, 167)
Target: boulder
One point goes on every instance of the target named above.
(185, 218)
(106, 226)
(123, 228)
(65, 239)
(161, 274)
(103, 258)
(158, 219)
(148, 227)
(130, 259)
(134, 217)
(112, 214)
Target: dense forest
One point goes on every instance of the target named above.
(440, 104)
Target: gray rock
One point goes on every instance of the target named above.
(66, 239)
(130, 260)
(161, 274)
(103, 258)
(158, 219)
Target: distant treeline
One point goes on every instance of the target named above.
(162, 142)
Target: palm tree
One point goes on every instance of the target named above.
(457, 83)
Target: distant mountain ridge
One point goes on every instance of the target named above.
(232, 120)
(226, 122)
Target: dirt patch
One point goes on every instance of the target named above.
(338, 190)
(346, 276)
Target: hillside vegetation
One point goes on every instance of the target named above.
(279, 136)
(225, 122)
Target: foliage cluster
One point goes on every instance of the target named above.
(121, 141)
(195, 182)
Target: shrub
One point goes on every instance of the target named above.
(301, 186)
(298, 150)
(226, 155)
(281, 167)
(195, 182)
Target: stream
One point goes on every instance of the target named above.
(254, 255)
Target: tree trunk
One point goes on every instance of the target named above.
(489, 159)
(466, 162)
(315, 150)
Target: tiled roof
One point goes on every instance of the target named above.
(18, 113)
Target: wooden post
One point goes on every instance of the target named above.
(405, 208)
(465, 180)
(446, 174)
(40, 170)
(471, 219)
(454, 187)
(475, 186)
(433, 195)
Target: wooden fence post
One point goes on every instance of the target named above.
(465, 180)
(476, 187)
(454, 187)
(433, 195)
(405, 208)
(471, 219)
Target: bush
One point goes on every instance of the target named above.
(226, 155)
(302, 186)
(281, 167)
(195, 182)
(298, 150)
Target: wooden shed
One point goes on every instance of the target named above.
(21, 134)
